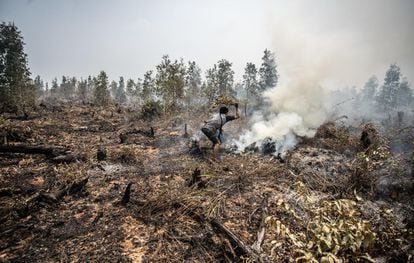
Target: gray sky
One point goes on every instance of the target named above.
(336, 42)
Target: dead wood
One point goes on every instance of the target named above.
(185, 135)
(262, 228)
(68, 158)
(101, 154)
(196, 179)
(31, 203)
(123, 137)
(56, 154)
(127, 194)
(78, 186)
(237, 246)
(50, 151)
(7, 191)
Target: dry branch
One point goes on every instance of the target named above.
(50, 151)
(262, 228)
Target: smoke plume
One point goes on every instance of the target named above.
(297, 108)
(319, 48)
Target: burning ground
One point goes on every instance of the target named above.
(330, 199)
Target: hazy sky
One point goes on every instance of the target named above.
(337, 43)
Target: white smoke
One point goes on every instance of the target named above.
(297, 108)
(318, 49)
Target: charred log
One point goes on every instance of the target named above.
(124, 136)
(50, 151)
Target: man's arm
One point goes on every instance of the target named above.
(237, 116)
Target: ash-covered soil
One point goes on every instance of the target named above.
(329, 200)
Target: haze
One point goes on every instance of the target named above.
(338, 43)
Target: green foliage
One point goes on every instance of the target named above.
(82, 90)
(404, 94)
(39, 85)
(55, 87)
(210, 87)
(370, 89)
(16, 88)
(387, 98)
(148, 86)
(251, 84)
(192, 85)
(225, 78)
(170, 81)
(268, 72)
(120, 95)
(150, 110)
(101, 89)
(219, 81)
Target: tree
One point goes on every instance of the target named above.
(387, 98)
(82, 90)
(130, 88)
(46, 89)
(55, 87)
(16, 88)
(148, 86)
(113, 87)
(68, 86)
(101, 89)
(210, 87)
(404, 94)
(170, 80)
(90, 87)
(120, 95)
(370, 89)
(192, 84)
(72, 87)
(268, 72)
(365, 100)
(39, 85)
(250, 83)
(225, 78)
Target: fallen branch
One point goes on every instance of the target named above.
(50, 151)
(50, 197)
(56, 154)
(262, 228)
(238, 247)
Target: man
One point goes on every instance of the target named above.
(214, 127)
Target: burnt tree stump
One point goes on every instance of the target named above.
(101, 154)
(127, 194)
(196, 179)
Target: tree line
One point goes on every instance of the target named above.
(172, 85)
(378, 99)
